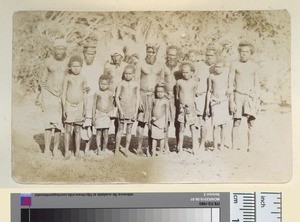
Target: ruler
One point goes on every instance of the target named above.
(256, 207)
(148, 207)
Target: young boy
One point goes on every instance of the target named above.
(74, 102)
(159, 118)
(185, 95)
(127, 100)
(102, 107)
(218, 101)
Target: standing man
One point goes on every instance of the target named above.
(114, 69)
(151, 73)
(91, 71)
(171, 74)
(201, 95)
(244, 90)
(55, 70)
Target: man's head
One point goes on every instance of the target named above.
(151, 53)
(187, 69)
(60, 49)
(219, 66)
(211, 55)
(89, 53)
(117, 56)
(192, 55)
(75, 64)
(160, 90)
(246, 49)
(129, 72)
(172, 56)
(104, 82)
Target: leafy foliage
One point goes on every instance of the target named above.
(34, 33)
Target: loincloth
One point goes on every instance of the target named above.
(146, 104)
(187, 115)
(102, 120)
(52, 111)
(245, 105)
(74, 113)
(172, 108)
(200, 102)
(157, 128)
(219, 110)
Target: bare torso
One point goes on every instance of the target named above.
(56, 72)
(115, 73)
(104, 101)
(201, 76)
(219, 84)
(150, 76)
(244, 79)
(159, 108)
(171, 76)
(75, 88)
(186, 91)
(128, 97)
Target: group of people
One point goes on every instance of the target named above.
(77, 98)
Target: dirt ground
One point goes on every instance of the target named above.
(270, 160)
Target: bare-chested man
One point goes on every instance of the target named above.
(74, 103)
(151, 73)
(202, 74)
(114, 69)
(55, 70)
(218, 102)
(244, 86)
(185, 95)
(127, 100)
(171, 74)
(91, 70)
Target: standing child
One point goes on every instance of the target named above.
(218, 101)
(159, 118)
(186, 89)
(127, 100)
(74, 102)
(102, 107)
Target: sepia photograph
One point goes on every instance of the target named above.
(151, 97)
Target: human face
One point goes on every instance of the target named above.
(150, 55)
(160, 92)
(172, 57)
(211, 57)
(128, 74)
(89, 55)
(60, 52)
(186, 72)
(75, 68)
(192, 57)
(245, 53)
(116, 58)
(103, 85)
(218, 67)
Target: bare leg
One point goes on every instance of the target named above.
(236, 134)
(98, 140)
(105, 138)
(88, 145)
(149, 151)
(161, 146)
(202, 129)
(223, 135)
(194, 133)
(128, 137)
(47, 138)
(56, 141)
(215, 136)
(181, 136)
(166, 140)
(68, 131)
(139, 133)
(119, 136)
(77, 129)
(251, 132)
(154, 146)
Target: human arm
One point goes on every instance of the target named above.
(84, 96)
(209, 92)
(94, 108)
(231, 87)
(117, 99)
(137, 100)
(167, 109)
(64, 96)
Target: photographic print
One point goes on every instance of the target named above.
(151, 97)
